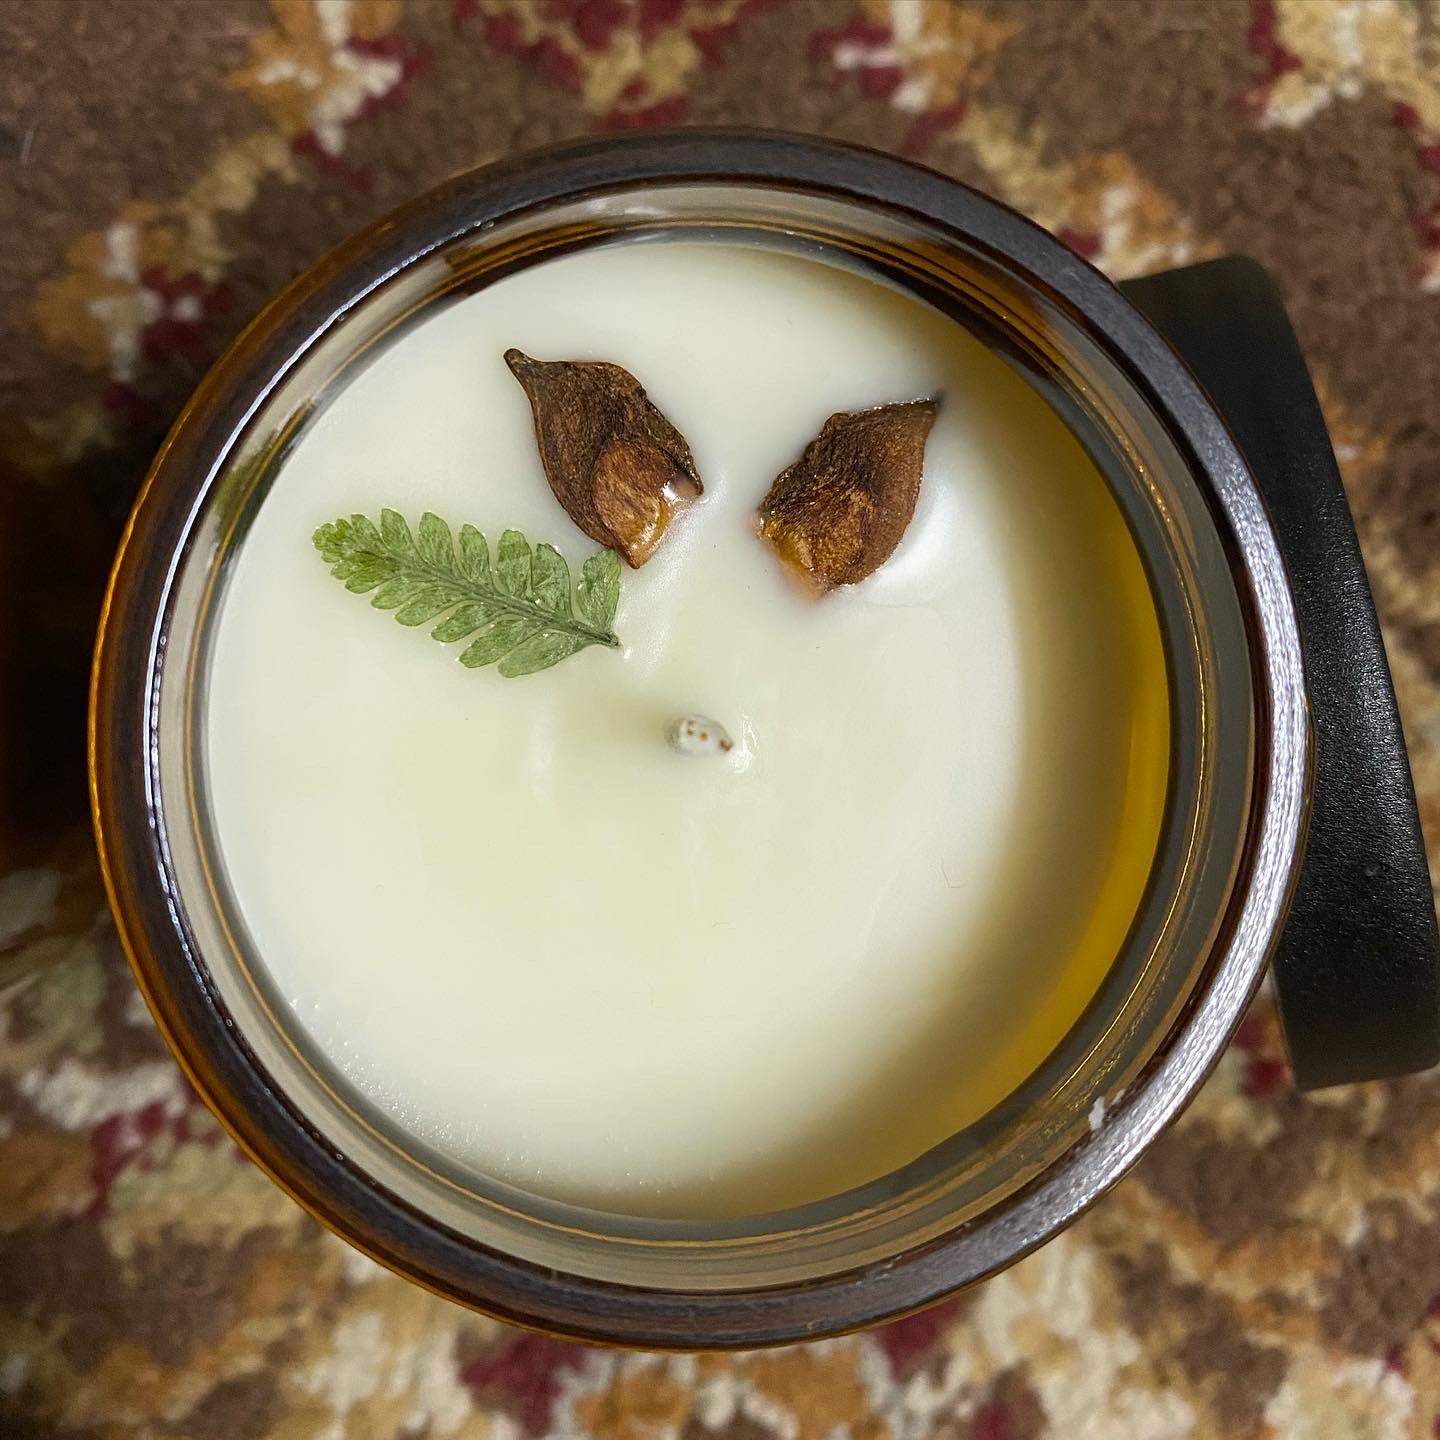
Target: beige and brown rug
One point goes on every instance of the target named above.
(165, 165)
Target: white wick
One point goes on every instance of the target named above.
(696, 735)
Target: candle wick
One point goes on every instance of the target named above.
(698, 735)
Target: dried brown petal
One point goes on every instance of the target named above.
(616, 464)
(837, 514)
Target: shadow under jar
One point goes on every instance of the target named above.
(1278, 713)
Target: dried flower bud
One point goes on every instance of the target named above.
(837, 514)
(616, 464)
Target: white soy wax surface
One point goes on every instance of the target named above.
(555, 950)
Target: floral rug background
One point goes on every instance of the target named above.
(166, 165)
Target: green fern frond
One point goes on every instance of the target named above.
(518, 611)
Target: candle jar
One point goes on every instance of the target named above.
(1289, 830)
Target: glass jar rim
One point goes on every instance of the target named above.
(132, 649)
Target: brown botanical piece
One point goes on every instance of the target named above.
(837, 514)
(617, 465)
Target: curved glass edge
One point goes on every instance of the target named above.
(1185, 912)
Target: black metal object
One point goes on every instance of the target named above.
(1358, 964)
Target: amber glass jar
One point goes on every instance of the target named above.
(1242, 773)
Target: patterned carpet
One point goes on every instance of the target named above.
(1272, 1270)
